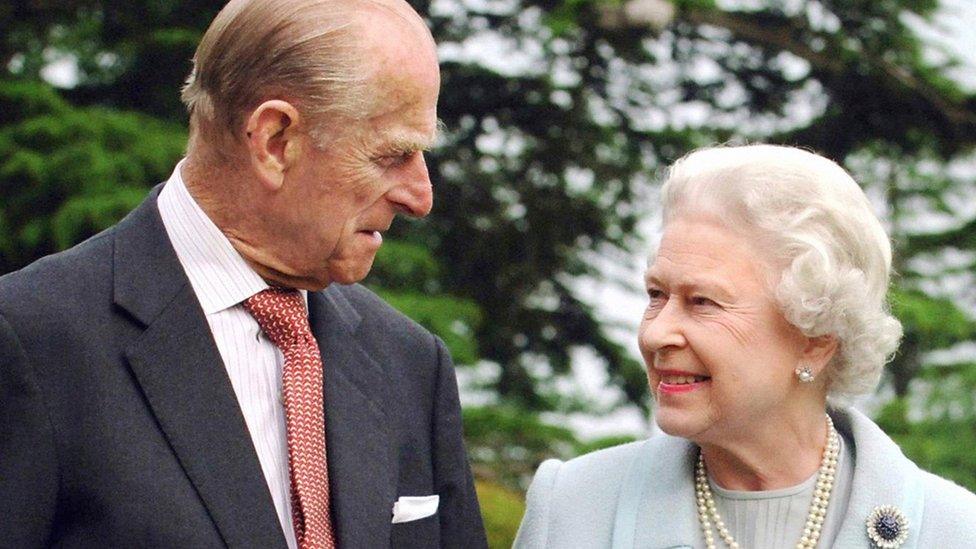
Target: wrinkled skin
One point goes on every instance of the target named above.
(307, 214)
(711, 314)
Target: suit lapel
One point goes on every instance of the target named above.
(361, 450)
(177, 364)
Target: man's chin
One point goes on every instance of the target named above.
(349, 273)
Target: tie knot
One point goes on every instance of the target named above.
(281, 314)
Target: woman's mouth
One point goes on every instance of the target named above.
(681, 380)
(671, 383)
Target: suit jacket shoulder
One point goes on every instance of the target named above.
(53, 303)
(65, 280)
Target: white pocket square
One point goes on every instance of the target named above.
(409, 508)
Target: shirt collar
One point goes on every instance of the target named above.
(219, 275)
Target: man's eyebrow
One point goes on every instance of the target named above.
(410, 143)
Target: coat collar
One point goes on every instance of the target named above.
(882, 476)
(656, 507)
(179, 368)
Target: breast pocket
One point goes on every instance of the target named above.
(420, 533)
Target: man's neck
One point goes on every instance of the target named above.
(223, 197)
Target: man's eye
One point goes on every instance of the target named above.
(654, 294)
(701, 301)
(395, 160)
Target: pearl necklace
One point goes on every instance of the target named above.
(818, 507)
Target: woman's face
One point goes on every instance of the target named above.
(720, 356)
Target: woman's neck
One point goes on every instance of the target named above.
(773, 455)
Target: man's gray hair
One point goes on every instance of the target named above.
(301, 51)
(830, 256)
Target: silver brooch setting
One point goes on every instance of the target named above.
(887, 527)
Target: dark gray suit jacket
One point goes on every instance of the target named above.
(119, 426)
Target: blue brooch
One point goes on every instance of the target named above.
(887, 527)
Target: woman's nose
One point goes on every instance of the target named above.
(662, 330)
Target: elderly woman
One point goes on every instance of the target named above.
(766, 298)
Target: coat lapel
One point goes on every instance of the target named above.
(884, 476)
(177, 364)
(664, 475)
(360, 446)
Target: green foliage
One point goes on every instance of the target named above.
(602, 443)
(402, 266)
(507, 443)
(23, 99)
(67, 172)
(453, 319)
(402, 275)
(937, 322)
(529, 182)
(502, 510)
(943, 446)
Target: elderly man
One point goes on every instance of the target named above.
(196, 376)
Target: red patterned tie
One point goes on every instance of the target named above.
(282, 316)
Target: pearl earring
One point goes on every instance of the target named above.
(804, 373)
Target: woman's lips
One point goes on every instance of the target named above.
(676, 388)
(675, 382)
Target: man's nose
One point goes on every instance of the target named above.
(414, 195)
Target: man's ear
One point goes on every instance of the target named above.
(818, 351)
(274, 141)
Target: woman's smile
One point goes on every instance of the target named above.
(678, 382)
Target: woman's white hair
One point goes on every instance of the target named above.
(830, 255)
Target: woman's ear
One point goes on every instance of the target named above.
(273, 141)
(818, 352)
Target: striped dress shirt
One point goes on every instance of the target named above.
(222, 280)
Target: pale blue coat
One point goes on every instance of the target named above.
(641, 495)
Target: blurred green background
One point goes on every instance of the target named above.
(560, 116)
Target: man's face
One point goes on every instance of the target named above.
(342, 197)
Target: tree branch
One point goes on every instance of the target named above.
(787, 34)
